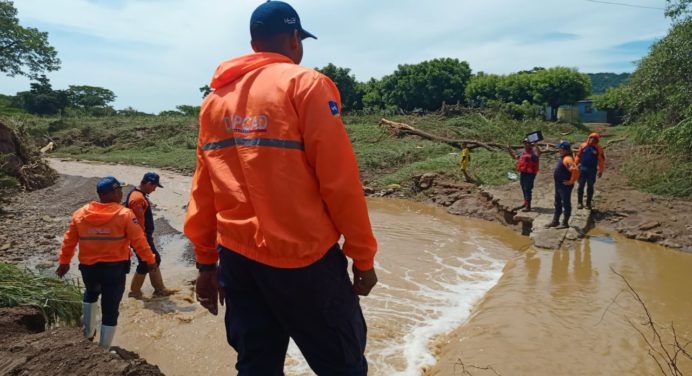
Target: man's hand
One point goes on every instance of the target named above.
(152, 267)
(208, 292)
(567, 182)
(363, 281)
(62, 270)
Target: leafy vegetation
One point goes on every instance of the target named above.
(59, 300)
(24, 51)
(601, 82)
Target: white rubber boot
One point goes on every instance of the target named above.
(89, 316)
(106, 338)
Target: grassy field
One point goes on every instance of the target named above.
(384, 159)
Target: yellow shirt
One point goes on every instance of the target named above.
(465, 158)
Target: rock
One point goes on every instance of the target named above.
(393, 187)
(368, 190)
(649, 225)
(6, 246)
(648, 237)
(47, 218)
(426, 180)
(670, 244)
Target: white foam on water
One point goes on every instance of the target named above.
(431, 303)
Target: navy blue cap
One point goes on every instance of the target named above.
(108, 184)
(152, 177)
(564, 145)
(275, 17)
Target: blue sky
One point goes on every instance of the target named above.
(155, 54)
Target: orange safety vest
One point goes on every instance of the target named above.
(104, 233)
(276, 179)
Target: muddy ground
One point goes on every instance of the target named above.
(27, 349)
(617, 206)
(32, 225)
(31, 228)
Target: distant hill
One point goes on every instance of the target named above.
(600, 82)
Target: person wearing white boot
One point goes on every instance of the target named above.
(104, 231)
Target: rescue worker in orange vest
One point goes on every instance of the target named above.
(138, 201)
(276, 185)
(104, 231)
(591, 161)
(565, 174)
(527, 165)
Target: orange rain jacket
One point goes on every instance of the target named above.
(599, 149)
(276, 179)
(139, 205)
(104, 233)
(571, 166)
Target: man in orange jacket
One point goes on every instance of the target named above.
(591, 161)
(276, 185)
(104, 231)
(138, 201)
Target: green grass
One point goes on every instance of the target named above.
(170, 141)
(57, 299)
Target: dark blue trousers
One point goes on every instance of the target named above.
(526, 182)
(142, 267)
(314, 305)
(563, 201)
(106, 279)
(587, 176)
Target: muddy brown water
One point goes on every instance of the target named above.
(450, 288)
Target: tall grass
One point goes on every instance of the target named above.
(58, 300)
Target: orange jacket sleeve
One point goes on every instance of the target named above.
(570, 165)
(138, 239)
(69, 243)
(328, 150)
(579, 152)
(200, 220)
(138, 204)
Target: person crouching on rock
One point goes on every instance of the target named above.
(138, 201)
(565, 174)
(527, 165)
(104, 231)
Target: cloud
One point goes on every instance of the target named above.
(155, 54)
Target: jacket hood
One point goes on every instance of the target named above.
(97, 213)
(233, 69)
(594, 135)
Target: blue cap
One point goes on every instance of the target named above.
(108, 184)
(152, 177)
(275, 17)
(564, 145)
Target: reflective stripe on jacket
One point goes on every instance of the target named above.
(104, 233)
(276, 179)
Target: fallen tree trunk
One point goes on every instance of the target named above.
(399, 129)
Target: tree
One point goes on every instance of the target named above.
(351, 97)
(516, 88)
(560, 85)
(678, 10)
(188, 110)
(481, 89)
(662, 83)
(24, 51)
(427, 84)
(41, 99)
(87, 97)
(205, 90)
